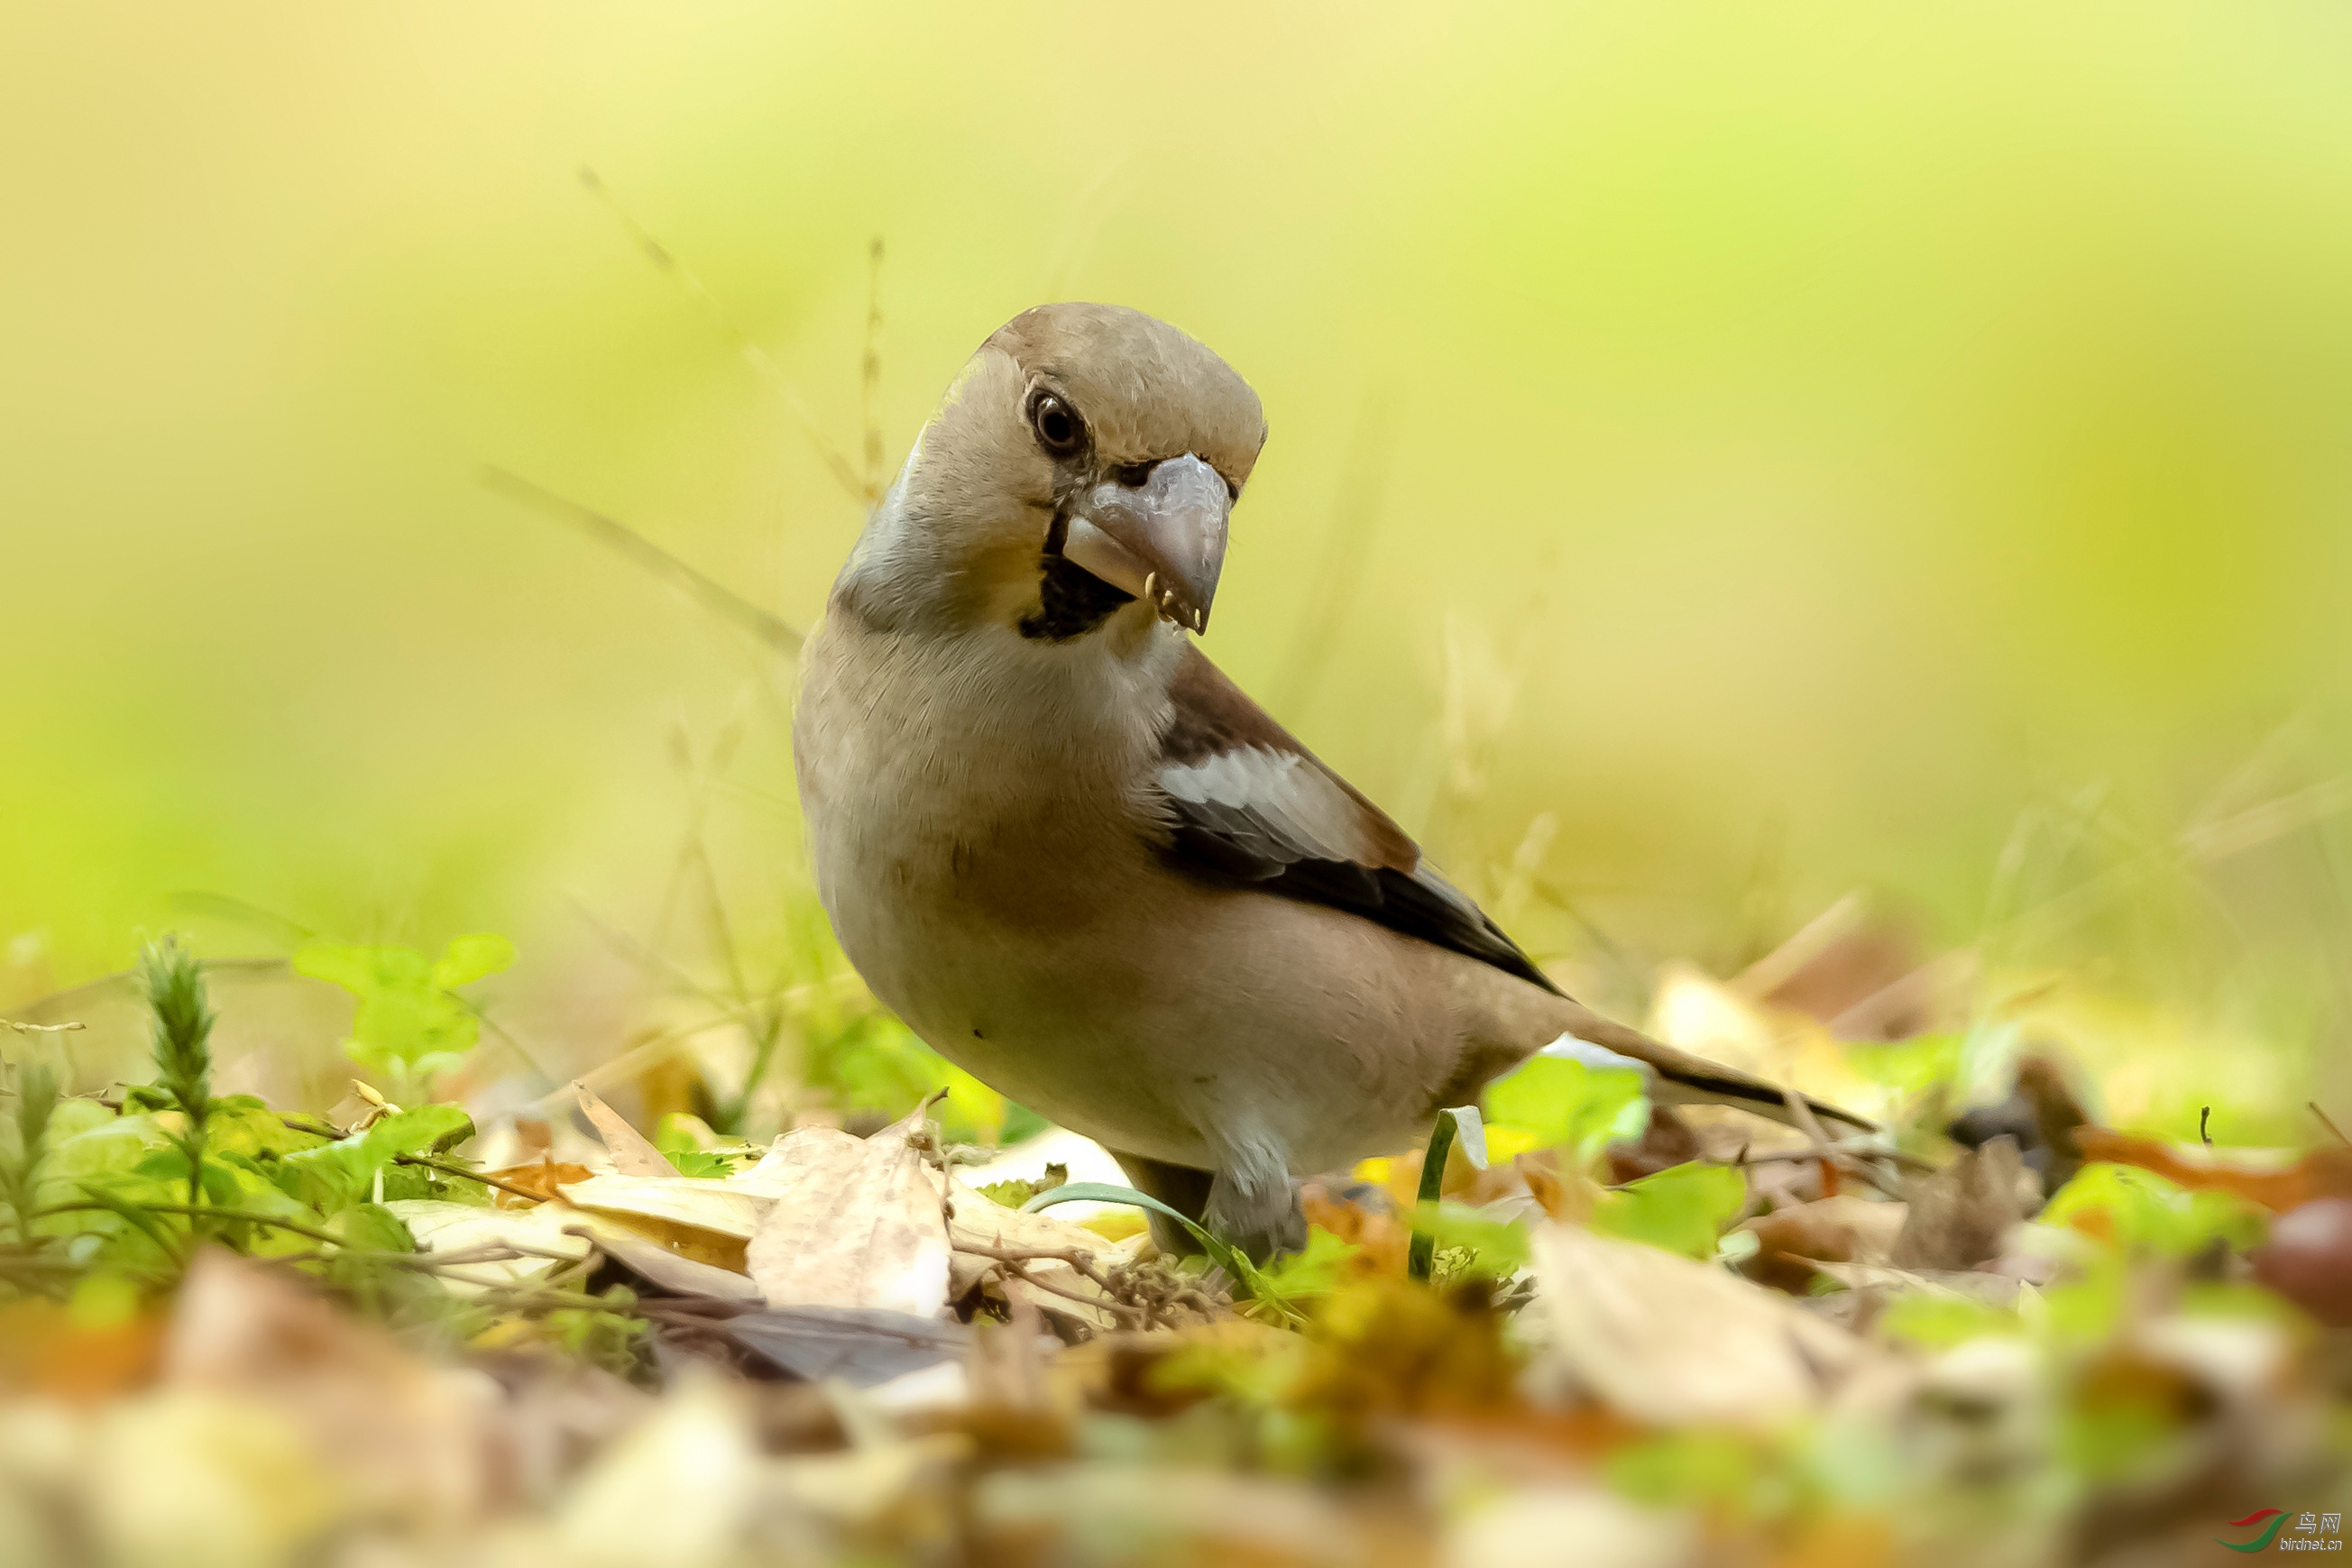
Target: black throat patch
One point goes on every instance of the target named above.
(1071, 603)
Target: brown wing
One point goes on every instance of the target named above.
(1252, 806)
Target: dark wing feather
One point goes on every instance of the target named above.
(1252, 805)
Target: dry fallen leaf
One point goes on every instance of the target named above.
(680, 1488)
(542, 1180)
(857, 1228)
(2323, 1173)
(706, 1221)
(1564, 1195)
(1870, 1286)
(657, 1261)
(1958, 1215)
(633, 1152)
(1843, 1229)
(1668, 1139)
(2041, 1114)
(2309, 1259)
(400, 1434)
(687, 1201)
(795, 1155)
(43, 1350)
(1668, 1340)
(1367, 1219)
(190, 1478)
(862, 1347)
(1183, 1513)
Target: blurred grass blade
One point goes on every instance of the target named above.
(771, 629)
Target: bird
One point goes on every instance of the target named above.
(1077, 860)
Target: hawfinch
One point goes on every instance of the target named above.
(1079, 862)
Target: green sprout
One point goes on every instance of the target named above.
(182, 1032)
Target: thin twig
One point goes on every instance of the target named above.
(1012, 1258)
(1832, 1158)
(447, 1169)
(427, 1262)
(1893, 1156)
(2324, 1121)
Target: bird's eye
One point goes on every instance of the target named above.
(1059, 429)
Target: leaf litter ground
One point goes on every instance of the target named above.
(1592, 1331)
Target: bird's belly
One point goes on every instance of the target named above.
(1168, 1036)
(1030, 1007)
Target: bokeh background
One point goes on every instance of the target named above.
(1722, 458)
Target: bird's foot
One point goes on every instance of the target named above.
(1261, 1217)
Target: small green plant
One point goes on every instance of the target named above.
(1459, 1121)
(182, 1027)
(411, 1025)
(675, 1137)
(36, 1099)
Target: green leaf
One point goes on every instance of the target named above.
(475, 957)
(1107, 1192)
(1562, 1103)
(376, 1228)
(242, 1124)
(1909, 1066)
(1939, 1323)
(333, 1177)
(680, 1139)
(1015, 1192)
(408, 1020)
(1681, 1209)
(699, 1163)
(74, 1117)
(1317, 1271)
(1683, 1470)
(2137, 1209)
(112, 1148)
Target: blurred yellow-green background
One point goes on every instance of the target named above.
(1797, 448)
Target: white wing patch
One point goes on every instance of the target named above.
(1288, 798)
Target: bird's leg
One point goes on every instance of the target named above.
(1254, 1202)
(1251, 1202)
(1262, 1220)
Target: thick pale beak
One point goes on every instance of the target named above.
(1163, 541)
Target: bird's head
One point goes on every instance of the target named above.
(1086, 459)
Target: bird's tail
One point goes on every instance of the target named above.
(1678, 1078)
